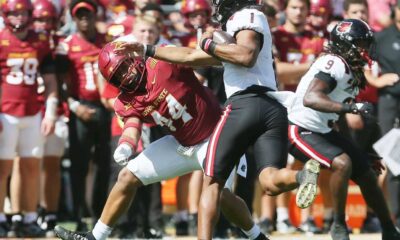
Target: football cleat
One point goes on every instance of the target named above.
(391, 235)
(339, 231)
(308, 184)
(71, 235)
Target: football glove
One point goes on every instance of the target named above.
(122, 154)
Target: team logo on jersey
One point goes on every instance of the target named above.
(76, 48)
(344, 27)
(5, 43)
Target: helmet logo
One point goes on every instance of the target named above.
(344, 27)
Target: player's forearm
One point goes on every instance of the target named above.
(131, 132)
(236, 54)
(184, 55)
(50, 82)
(319, 101)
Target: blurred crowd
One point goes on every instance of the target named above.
(59, 130)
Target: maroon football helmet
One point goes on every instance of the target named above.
(44, 9)
(9, 6)
(189, 6)
(320, 7)
(122, 71)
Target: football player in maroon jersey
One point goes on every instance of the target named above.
(170, 96)
(23, 54)
(89, 120)
(45, 19)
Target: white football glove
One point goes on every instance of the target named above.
(122, 154)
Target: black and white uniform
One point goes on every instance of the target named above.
(310, 131)
(251, 119)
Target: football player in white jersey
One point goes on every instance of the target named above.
(251, 119)
(327, 90)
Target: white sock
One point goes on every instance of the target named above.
(328, 213)
(282, 214)
(30, 217)
(101, 231)
(3, 217)
(253, 232)
(17, 218)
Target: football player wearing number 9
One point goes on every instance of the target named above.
(23, 54)
(170, 96)
(251, 118)
(89, 123)
(324, 93)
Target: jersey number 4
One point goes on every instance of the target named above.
(23, 70)
(176, 110)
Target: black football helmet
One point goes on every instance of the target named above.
(224, 9)
(353, 39)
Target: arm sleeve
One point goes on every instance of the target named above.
(333, 67)
(328, 79)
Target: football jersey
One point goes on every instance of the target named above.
(82, 57)
(297, 48)
(20, 63)
(237, 78)
(311, 119)
(174, 100)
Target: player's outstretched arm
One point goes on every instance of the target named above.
(179, 55)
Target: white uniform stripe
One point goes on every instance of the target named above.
(304, 148)
(214, 141)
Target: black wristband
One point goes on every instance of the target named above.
(348, 108)
(208, 46)
(150, 51)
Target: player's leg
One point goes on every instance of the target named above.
(182, 194)
(159, 161)
(80, 153)
(270, 150)
(8, 143)
(51, 176)
(228, 143)
(366, 178)
(30, 153)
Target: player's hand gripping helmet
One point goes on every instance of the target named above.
(9, 6)
(122, 71)
(224, 9)
(44, 9)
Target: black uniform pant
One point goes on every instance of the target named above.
(90, 141)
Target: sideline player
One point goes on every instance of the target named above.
(169, 95)
(23, 55)
(325, 91)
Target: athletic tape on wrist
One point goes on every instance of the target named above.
(51, 108)
(208, 45)
(149, 50)
(138, 126)
(127, 140)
